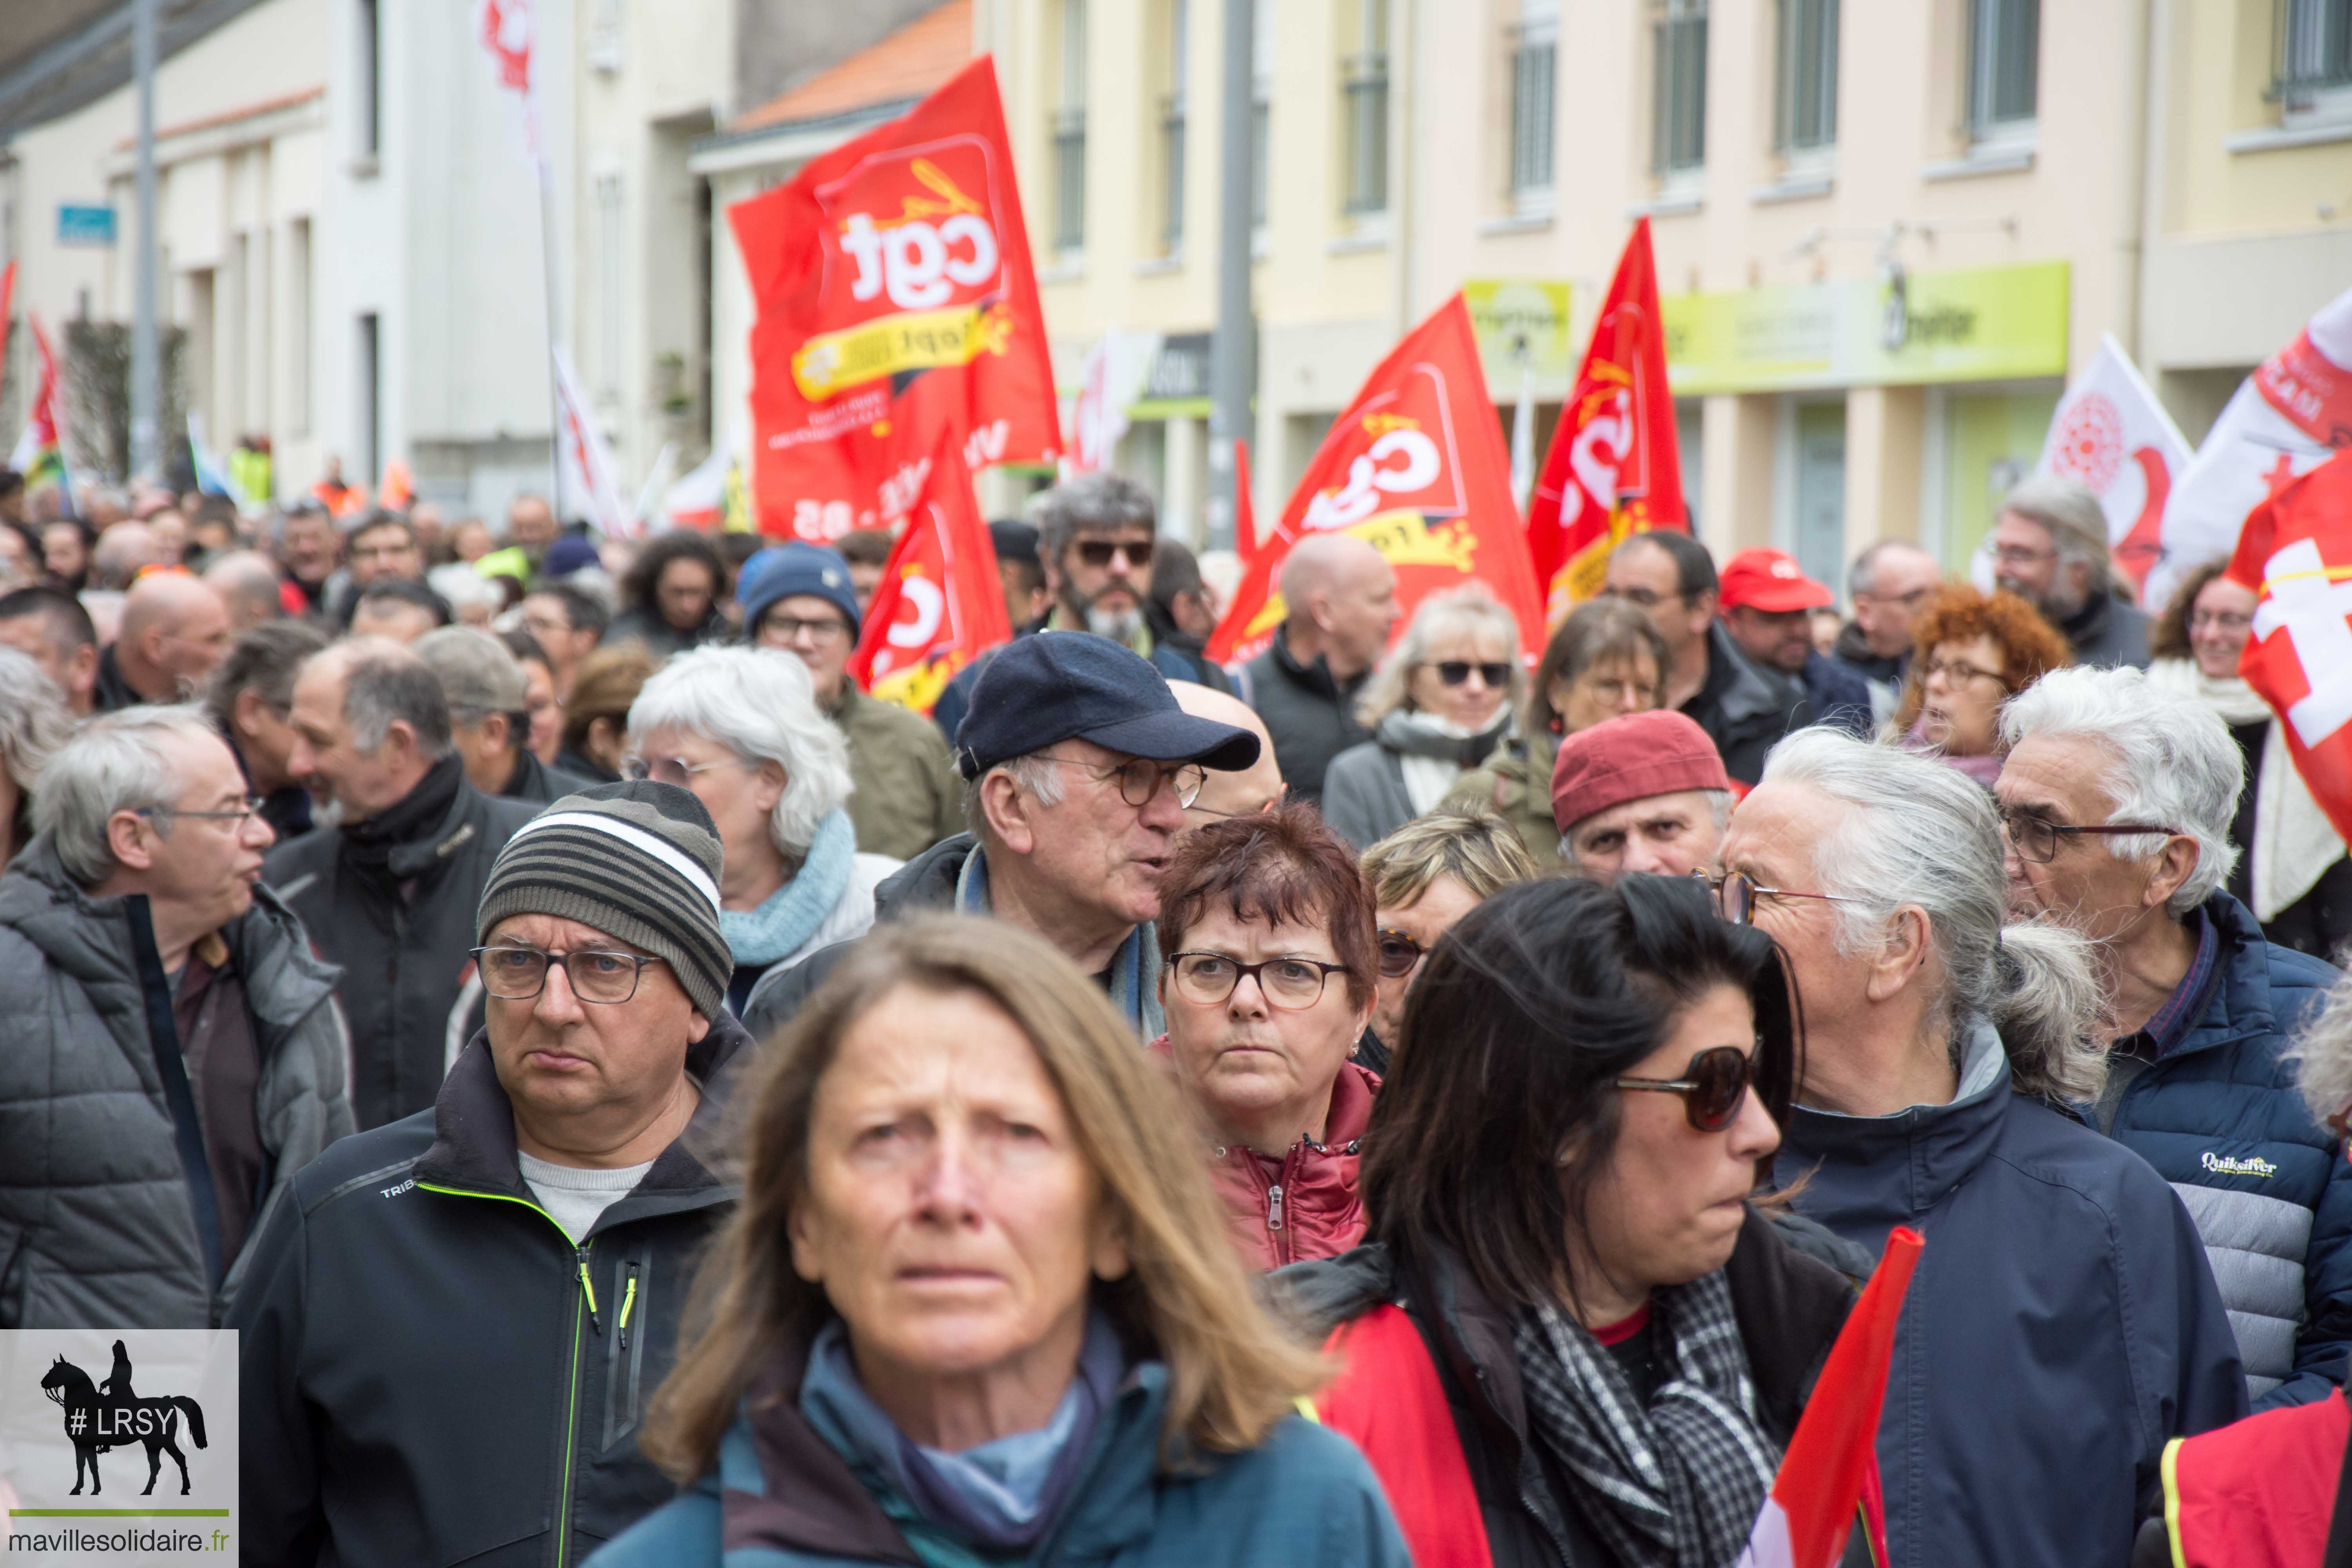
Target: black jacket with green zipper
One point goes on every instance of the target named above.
(424, 1376)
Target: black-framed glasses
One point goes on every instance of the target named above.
(595, 974)
(1647, 598)
(248, 806)
(1208, 978)
(2036, 839)
(1735, 894)
(779, 628)
(1099, 552)
(1398, 955)
(1713, 1085)
(1457, 672)
(1140, 778)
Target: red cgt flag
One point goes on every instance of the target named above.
(939, 604)
(896, 306)
(2297, 552)
(1416, 466)
(1612, 468)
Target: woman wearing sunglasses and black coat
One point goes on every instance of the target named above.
(1583, 1345)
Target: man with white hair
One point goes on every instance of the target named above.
(2050, 549)
(170, 1051)
(2117, 796)
(2063, 1325)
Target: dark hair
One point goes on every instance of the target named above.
(379, 517)
(1095, 501)
(581, 609)
(1535, 1002)
(382, 686)
(11, 481)
(2168, 639)
(407, 591)
(69, 624)
(865, 546)
(1693, 567)
(1597, 631)
(525, 647)
(646, 571)
(1175, 571)
(1271, 867)
(264, 659)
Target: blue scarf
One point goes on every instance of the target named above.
(1134, 968)
(791, 915)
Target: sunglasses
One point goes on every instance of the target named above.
(1454, 672)
(1713, 1086)
(1398, 955)
(1100, 551)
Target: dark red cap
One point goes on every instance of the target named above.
(1632, 758)
(1773, 582)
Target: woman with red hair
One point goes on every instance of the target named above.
(1976, 651)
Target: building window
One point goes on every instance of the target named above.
(1535, 49)
(368, 27)
(1806, 100)
(1366, 76)
(1172, 130)
(1070, 133)
(2315, 61)
(1261, 104)
(2004, 55)
(1679, 137)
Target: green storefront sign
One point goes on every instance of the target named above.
(1985, 323)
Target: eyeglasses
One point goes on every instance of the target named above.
(595, 974)
(1960, 672)
(1457, 672)
(2220, 620)
(1399, 954)
(1736, 895)
(1713, 1085)
(1910, 601)
(1140, 778)
(1608, 693)
(2036, 839)
(1648, 598)
(238, 812)
(1206, 979)
(2019, 555)
(674, 770)
(776, 628)
(1100, 551)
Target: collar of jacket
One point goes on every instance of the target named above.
(783, 1488)
(1854, 649)
(113, 693)
(1315, 676)
(2236, 1004)
(1896, 1168)
(1736, 688)
(925, 882)
(474, 1139)
(2088, 623)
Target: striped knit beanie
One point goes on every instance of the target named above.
(638, 861)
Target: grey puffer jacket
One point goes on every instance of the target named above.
(98, 1227)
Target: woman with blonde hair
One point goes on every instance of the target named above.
(978, 1303)
(1441, 702)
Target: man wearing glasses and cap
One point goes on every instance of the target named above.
(1077, 764)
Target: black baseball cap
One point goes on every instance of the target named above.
(1055, 686)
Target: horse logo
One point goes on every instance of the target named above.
(97, 1420)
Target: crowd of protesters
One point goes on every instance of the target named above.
(641, 1099)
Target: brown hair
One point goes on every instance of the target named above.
(2030, 647)
(1599, 631)
(1275, 865)
(606, 686)
(2168, 639)
(1232, 1372)
(1468, 843)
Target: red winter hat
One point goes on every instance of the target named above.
(1770, 580)
(1632, 758)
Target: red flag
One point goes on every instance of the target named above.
(2297, 552)
(1831, 1471)
(940, 605)
(896, 304)
(7, 304)
(1612, 468)
(1416, 466)
(1247, 544)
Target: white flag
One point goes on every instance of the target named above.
(2291, 414)
(1112, 378)
(588, 472)
(698, 499)
(2111, 434)
(509, 31)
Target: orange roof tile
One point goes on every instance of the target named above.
(228, 116)
(909, 63)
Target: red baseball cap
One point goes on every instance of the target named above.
(1773, 582)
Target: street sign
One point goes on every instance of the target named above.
(85, 225)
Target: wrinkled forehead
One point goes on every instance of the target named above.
(1774, 831)
(555, 934)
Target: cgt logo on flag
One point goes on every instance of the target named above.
(80, 1408)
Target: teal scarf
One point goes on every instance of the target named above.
(792, 914)
(1134, 968)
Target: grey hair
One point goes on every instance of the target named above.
(1099, 499)
(33, 720)
(1469, 607)
(2078, 528)
(1718, 804)
(760, 704)
(1919, 832)
(1035, 775)
(386, 683)
(2173, 761)
(1862, 573)
(116, 762)
(2322, 1052)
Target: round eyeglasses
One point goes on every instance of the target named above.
(1206, 979)
(1140, 778)
(1736, 895)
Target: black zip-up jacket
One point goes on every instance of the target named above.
(1310, 713)
(432, 1372)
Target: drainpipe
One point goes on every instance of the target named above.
(2146, 27)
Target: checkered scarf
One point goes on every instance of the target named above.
(1677, 1485)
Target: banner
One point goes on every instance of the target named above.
(1247, 544)
(588, 472)
(1417, 467)
(2297, 552)
(507, 30)
(2285, 419)
(939, 604)
(1613, 468)
(896, 307)
(2111, 434)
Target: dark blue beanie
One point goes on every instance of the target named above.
(794, 568)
